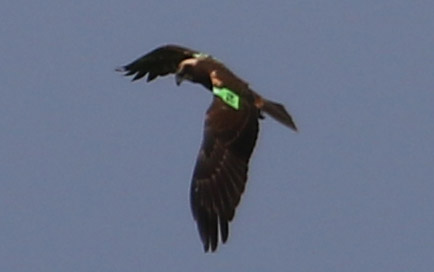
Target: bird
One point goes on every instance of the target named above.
(230, 132)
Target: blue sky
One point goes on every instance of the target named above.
(95, 170)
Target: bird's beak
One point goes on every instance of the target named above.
(179, 79)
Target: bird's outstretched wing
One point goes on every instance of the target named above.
(161, 61)
(220, 174)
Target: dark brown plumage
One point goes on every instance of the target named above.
(230, 133)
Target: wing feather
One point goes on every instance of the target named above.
(161, 61)
(221, 169)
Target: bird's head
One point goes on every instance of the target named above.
(185, 71)
(195, 71)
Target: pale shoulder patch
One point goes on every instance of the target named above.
(214, 79)
(191, 61)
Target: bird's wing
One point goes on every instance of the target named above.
(161, 61)
(220, 174)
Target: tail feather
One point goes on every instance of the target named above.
(279, 113)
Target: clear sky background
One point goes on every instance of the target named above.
(95, 170)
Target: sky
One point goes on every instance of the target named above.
(95, 170)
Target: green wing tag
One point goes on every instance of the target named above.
(200, 55)
(228, 96)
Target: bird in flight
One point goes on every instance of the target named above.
(230, 133)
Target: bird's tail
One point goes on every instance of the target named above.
(278, 112)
